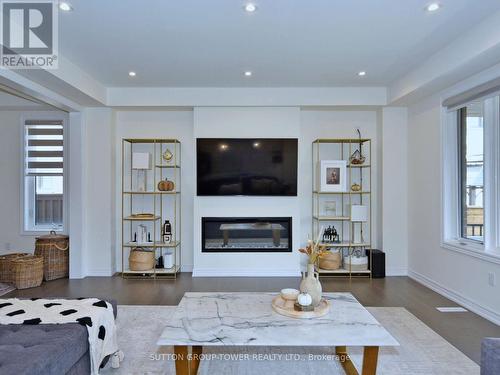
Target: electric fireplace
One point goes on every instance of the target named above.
(246, 234)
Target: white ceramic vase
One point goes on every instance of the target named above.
(310, 284)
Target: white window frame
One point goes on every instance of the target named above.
(24, 196)
(451, 237)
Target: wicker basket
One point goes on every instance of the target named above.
(6, 267)
(141, 260)
(330, 261)
(28, 272)
(54, 248)
(356, 264)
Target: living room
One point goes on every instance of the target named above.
(258, 186)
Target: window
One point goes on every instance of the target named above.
(471, 171)
(471, 178)
(43, 165)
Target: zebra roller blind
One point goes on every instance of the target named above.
(44, 152)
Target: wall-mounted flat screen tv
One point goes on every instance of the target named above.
(237, 166)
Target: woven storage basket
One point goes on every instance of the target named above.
(6, 267)
(141, 260)
(356, 264)
(54, 248)
(28, 272)
(330, 261)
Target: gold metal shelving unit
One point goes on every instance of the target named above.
(164, 205)
(342, 149)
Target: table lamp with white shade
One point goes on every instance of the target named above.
(141, 162)
(359, 214)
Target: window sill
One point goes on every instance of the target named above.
(473, 250)
(39, 232)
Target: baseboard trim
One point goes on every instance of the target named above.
(466, 302)
(76, 277)
(217, 272)
(100, 273)
(184, 268)
(396, 272)
(187, 268)
(234, 272)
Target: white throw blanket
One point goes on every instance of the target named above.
(95, 314)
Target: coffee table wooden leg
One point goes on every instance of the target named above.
(370, 358)
(181, 360)
(195, 359)
(345, 361)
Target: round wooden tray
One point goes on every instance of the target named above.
(284, 307)
(142, 215)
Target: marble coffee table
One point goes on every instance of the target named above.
(247, 319)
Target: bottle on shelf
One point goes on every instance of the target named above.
(142, 237)
(159, 263)
(167, 232)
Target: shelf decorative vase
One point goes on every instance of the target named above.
(310, 284)
(357, 157)
(167, 156)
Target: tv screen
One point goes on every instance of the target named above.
(229, 166)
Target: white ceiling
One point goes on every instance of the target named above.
(199, 43)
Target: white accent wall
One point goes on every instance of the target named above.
(159, 124)
(279, 122)
(99, 184)
(393, 199)
(95, 181)
(11, 239)
(247, 122)
(77, 204)
(325, 123)
(460, 277)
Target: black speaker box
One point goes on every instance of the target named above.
(378, 259)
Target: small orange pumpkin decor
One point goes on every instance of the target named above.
(166, 185)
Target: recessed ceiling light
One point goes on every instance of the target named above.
(248, 73)
(65, 6)
(432, 7)
(132, 74)
(250, 8)
(362, 74)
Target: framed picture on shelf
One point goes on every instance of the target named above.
(330, 208)
(333, 176)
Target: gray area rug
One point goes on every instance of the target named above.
(422, 351)
(6, 288)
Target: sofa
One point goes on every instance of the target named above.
(45, 349)
(490, 356)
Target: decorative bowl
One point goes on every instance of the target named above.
(290, 294)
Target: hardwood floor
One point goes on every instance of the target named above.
(464, 330)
